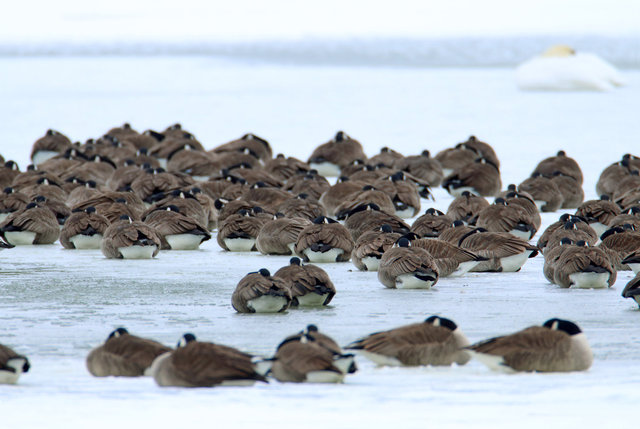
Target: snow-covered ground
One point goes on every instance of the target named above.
(58, 304)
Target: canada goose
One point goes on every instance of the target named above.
(124, 175)
(481, 177)
(309, 285)
(63, 163)
(504, 217)
(633, 261)
(505, 252)
(266, 196)
(82, 192)
(466, 207)
(325, 240)
(367, 195)
(302, 206)
(562, 164)
(584, 267)
(336, 194)
(12, 365)
(51, 144)
(371, 173)
(199, 165)
(454, 158)
(303, 358)
(124, 355)
(97, 167)
(526, 202)
(32, 225)
(450, 259)
(407, 267)
(570, 226)
(12, 201)
(8, 172)
(58, 208)
(431, 223)
(173, 144)
(437, 341)
(632, 289)
(48, 189)
(571, 190)
(152, 182)
(560, 68)
(544, 191)
(311, 184)
(628, 200)
(259, 292)
(619, 243)
(250, 143)
(185, 201)
(279, 235)
(84, 229)
(613, 175)
(552, 255)
(202, 364)
(129, 239)
(423, 167)
(386, 156)
(368, 217)
(454, 233)
(176, 230)
(253, 176)
(628, 216)
(482, 148)
(122, 132)
(556, 346)
(370, 247)
(403, 194)
(330, 157)
(238, 232)
(283, 167)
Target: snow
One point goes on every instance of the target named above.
(57, 304)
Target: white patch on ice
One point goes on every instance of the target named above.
(406, 213)
(589, 280)
(184, 241)
(379, 359)
(324, 377)
(511, 264)
(82, 242)
(312, 299)
(458, 192)
(525, 235)
(495, 363)
(20, 238)
(137, 252)
(463, 268)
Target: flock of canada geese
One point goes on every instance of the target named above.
(134, 194)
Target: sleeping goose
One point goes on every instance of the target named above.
(437, 341)
(279, 235)
(259, 292)
(32, 225)
(407, 267)
(124, 355)
(202, 364)
(177, 231)
(330, 157)
(325, 240)
(556, 346)
(84, 229)
(12, 365)
(129, 239)
(309, 285)
(370, 247)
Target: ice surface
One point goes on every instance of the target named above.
(57, 304)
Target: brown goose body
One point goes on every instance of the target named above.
(551, 257)
(481, 177)
(248, 143)
(279, 236)
(571, 190)
(504, 217)
(632, 289)
(302, 206)
(283, 167)
(84, 230)
(330, 157)
(369, 218)
(567, 226)
(452, 159)
(12, 365)
(450, 258)
(619, 243)
(153, 182)
(436, 341)
(562, 164)
(129, 239)
(526, 202)
(553, 347)
(12, 201)
(259, 292)
(423, 167)
(310, 356)
(403, 193)
(431, 224)
(268, 197)
(313, 185)
(545, 193)
(238, 232)
(48, 146)
(406, 267)
(309, 285)
(204, 364)
(324, 241)
(466, 207)
(336, 195)
(31, 225)
(370, 247)
(584, 267)
(505, 252)
(124, 355)
(612, 176)
(367, 195)
(177, 231)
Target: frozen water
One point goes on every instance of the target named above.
(57, 304)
